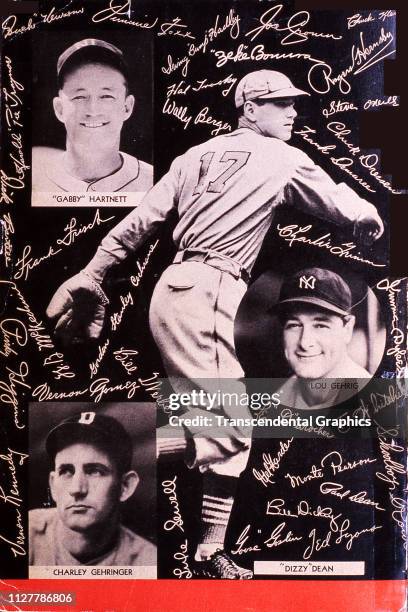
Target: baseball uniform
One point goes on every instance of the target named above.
(49, 174)
(226, 191)
(46, 547)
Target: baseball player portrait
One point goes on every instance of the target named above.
(93, 102)
(315, 311)
(91, 476)
(225, 191)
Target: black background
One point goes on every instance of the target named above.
(384, 130)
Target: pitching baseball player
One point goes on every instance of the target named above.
(91, 455)
(93, 102)
(226, 191)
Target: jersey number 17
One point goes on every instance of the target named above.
(237, 160)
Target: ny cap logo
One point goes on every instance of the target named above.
(307, 282)
(87, 418)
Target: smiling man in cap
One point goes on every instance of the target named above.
(314, 308)
(91, 456)
(93, 102)
(226, 191)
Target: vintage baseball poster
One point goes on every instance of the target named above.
(203, 291)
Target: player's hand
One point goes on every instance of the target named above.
(77, 309)
(368, 228)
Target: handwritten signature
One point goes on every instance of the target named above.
(294, 26)
(26, 263)
(297, 233)
(271, 464)
(170, 489)
(321, 78)
(114, 12)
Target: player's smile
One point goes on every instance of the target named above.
(315, 342)
(93, 103)
(94, 124)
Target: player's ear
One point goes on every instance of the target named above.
(129, 482)
(58, 108)
(51, 484)
(349, 322)
(249, 110)
(129, 104)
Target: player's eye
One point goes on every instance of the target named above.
(292, 325)
(66, 470)
(95, 470)
(321, 326)
(284, 104)
(78, 98)
(109, 96)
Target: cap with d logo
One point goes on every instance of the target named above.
(89, 427)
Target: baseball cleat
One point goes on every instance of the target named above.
(221, 566)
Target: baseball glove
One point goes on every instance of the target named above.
(77, 309)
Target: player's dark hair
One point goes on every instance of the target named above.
(93, 55)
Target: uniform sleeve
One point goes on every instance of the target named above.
(41, 546)
(139, 225)
(313, 191)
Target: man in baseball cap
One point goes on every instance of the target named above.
(93, 102)
(265, 100)
(92, 456)
(315, 310)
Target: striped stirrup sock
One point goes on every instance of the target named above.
(218, 498)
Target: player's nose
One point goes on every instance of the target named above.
(78, 484)
(92, 106)
(306, 339)
(291, 112)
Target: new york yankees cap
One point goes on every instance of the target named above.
(265, 85)
(316, 286)
(101, 430)
(91, 50)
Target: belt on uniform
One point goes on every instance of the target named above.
(215, 260)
